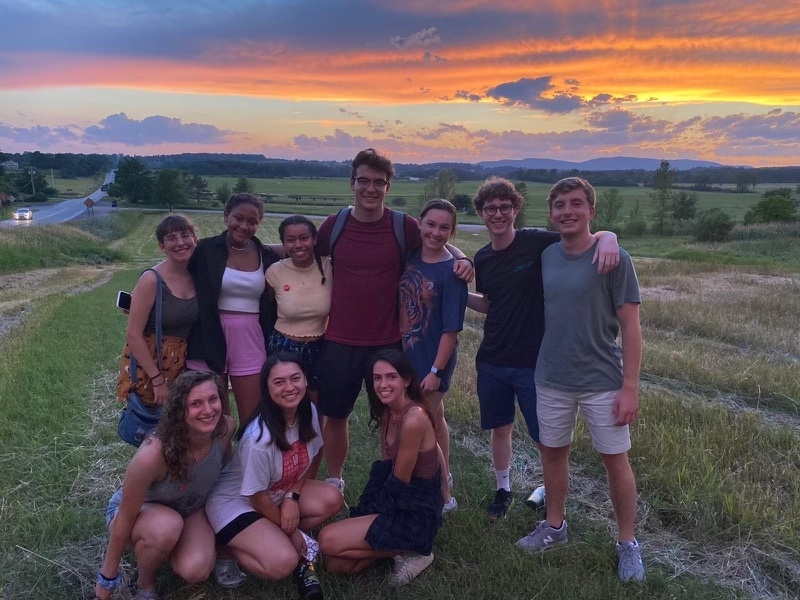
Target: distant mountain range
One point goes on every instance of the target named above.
(616, 163)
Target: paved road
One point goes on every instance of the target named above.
(63, 211)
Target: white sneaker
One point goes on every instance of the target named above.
(449, 506)
(408, 566)
(337, 482)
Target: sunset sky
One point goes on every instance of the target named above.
(432, 80)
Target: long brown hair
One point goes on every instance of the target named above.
(171, 428)
(405, 369)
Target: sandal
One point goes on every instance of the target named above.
(227, 573)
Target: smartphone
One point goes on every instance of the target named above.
(123, 300)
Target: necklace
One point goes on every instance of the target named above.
(196, 456)
(242, 249)
(292, 424)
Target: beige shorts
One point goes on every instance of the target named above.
(557, 411)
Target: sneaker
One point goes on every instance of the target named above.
(344, 513)
(498, 507)
(538, 498)
(449, 506)
(307, 582)
(408, 566)
(337, 482)
(449, 482)
(227, 573)
(544, 537)
(630, 567)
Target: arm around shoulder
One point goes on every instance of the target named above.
(627, 405)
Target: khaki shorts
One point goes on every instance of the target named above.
(557, 411)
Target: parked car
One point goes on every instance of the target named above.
(23, 214)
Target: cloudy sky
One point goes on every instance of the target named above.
(422, 80)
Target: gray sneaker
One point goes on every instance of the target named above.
(630, 566)
(544, 537)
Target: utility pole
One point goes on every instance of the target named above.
(32, 172)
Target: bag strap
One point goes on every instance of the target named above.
(398, 227)
(159, 283)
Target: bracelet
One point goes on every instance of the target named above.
(155, 385)
(468, 259)
(106, 583)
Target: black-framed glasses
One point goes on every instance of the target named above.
(364, 182)
(492, 210)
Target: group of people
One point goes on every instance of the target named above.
(376, 298)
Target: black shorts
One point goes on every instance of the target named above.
(237, 526)
(341, 370)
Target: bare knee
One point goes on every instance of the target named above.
(195, 567)
(277, 564)
(163, 535)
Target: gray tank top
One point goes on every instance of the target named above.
(186, 498)
(177, 315)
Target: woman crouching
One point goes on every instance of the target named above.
(159, 508)
(400, 509)
(264, 502)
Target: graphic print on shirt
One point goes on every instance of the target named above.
(419, 295)
(295, 463)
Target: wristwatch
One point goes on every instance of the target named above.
(437, 372)
(293, 496)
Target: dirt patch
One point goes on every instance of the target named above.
(716, 285)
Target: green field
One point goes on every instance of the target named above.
(716, 448)
(77, 187)
(326, 194)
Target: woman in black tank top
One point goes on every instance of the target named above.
(400, 509)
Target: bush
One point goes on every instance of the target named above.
(683, 227)
(37, 197)
(713, 225)
(636, 227)
(775, 205)
(399, 201)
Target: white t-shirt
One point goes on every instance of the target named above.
(259, 465)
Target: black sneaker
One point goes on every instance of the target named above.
(498, 507)
(307, 582)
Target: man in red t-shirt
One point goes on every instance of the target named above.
(367, 263)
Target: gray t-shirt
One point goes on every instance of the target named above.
(579, 350)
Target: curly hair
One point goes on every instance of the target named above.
(399, 360)
(171, 428)
(271, 415)
(498, 187)
(373, 159)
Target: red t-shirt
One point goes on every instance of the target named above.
(366, 275)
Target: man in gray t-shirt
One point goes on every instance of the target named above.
(581, 365)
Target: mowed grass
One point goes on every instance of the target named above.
(716, 450)
(77, 187)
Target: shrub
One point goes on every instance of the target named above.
(37, 197)
(713, 225)
(399, 201)
(635, 227)
(775, 205)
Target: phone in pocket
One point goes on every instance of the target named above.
(123, 300)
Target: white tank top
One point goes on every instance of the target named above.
(241, 290)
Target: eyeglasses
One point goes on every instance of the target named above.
(365, 181)
(183, 236)
(492, 210)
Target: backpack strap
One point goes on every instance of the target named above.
(398, 227)
(338, 227)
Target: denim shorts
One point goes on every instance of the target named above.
(498, 387)
(113, 506)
